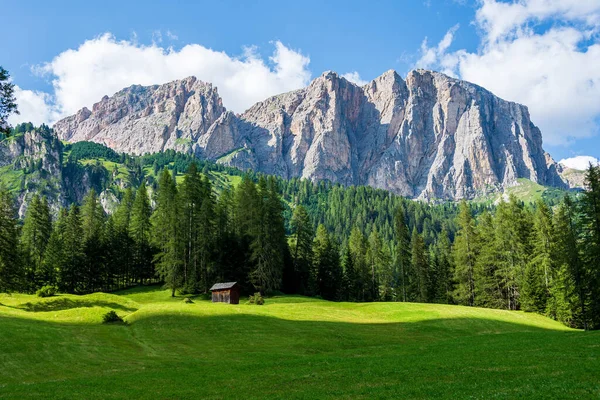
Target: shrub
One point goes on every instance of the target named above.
(187, 300)
(256, 299)
(111, 317)
(46, 291)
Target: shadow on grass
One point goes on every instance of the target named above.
(269, 357)
(64, 303)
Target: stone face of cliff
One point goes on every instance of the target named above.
(140, 120)
(428, 136)
(32, 163)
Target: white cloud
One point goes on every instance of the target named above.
(35, 107)
(580, 162)
(105, 65)
(431, 56)
(354, 77)
(551, 68)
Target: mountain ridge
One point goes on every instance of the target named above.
(428, 136)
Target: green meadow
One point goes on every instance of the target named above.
(292, 347)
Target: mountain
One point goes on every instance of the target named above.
(428, 136)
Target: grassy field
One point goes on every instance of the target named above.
(292, 347)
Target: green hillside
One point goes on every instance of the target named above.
(292, 347)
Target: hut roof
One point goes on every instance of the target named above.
(223, 286)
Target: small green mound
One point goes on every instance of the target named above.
(46, 291)
(187, 300)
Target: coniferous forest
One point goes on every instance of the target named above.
(343, 244)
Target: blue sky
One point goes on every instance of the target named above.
(544, 53)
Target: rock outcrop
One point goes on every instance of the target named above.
(429, 136)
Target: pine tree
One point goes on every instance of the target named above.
(11, 274)
(465, 255)
(512, 238)
(268, 244)
(358, 250)
(72, 270)
(35, 234)
(349, 277)
(123, 259)
(92, 218)
(568, 257)
(403, 256)
(590, 210)
(302, 238)
(419, 264)
(445, 269)
(327, 265)
(191, 198)
(140, 228)
(206, 239)
(540, 268)
(488, 286)
(166, 236)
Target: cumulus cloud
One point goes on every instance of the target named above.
(580, 162)
(541, 53)
(35, 107)
(354, 77)
(104, 65)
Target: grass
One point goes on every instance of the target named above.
(11, 178)
(292, 347)
(526, 191)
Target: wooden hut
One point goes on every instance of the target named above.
(227, 292)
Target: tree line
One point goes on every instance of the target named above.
(511, 256)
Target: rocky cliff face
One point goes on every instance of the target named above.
(429, 136)
(32, 163)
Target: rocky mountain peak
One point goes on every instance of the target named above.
(427, 136)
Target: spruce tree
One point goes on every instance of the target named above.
(536, 289)
(140, 229)
(191, 198)
(268, 244)
(166, 234)
(402, 251)
(568, 257)
(92, 217)
(72, 270)
(11, 274)
(358, 250)
(590, 211)
(302, 238)
(465, 256)
(123, 259)
(445, 270)
(327, 265)
(420, 267)
(37, 227)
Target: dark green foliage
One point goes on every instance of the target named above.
(140, 229)
(166, 234)
(111, 317)
(8, 103)
(466, 249)
(46, 291)
(91, 150)
(261, 234)
(327, 266)
(257, 299)
(37, 228)
(298, 279)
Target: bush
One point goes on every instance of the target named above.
(111, 317)
(46, 291)
(256, 299)
(187, 300)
